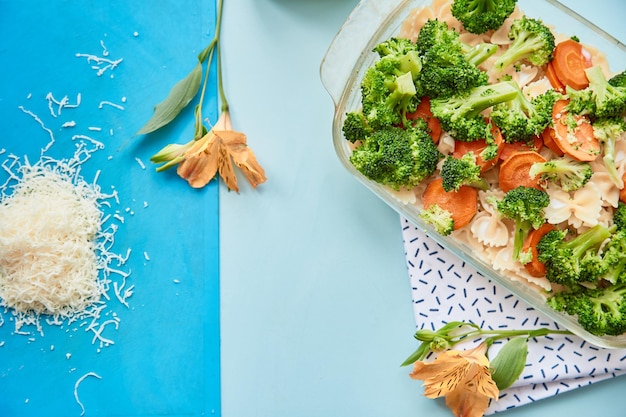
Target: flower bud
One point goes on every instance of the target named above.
(439, 344)
(425, 335)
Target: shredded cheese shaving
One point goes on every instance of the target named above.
(78, 382)
(48, 262)
(56, 243)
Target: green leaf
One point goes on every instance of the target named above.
(455, 325)
(206, 52)
(418, 355)
(509, 362)
(178, 98)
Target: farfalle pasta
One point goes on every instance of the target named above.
(578, 209)
(488, 226)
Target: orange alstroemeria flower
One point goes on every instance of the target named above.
(463, 377)
(215, 153)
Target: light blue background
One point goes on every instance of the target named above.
(316, 312)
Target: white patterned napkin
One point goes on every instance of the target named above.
(444, 289)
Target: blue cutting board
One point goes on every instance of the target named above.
(165, 356)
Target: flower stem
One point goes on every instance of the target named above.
(207, 55)
(511, 333)
(502, 334)
(456, 332)
(220, 86)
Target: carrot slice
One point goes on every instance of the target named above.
(574, 134)
(423, 112)
(554, 79)
(570, 61)
(514, 171)
(535, 267)
(622, 192)
(512, 148)
(477, 146)
(462, 204)
(548, 139)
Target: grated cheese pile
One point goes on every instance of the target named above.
(48, 229)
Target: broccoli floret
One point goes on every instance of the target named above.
(376, 87)
(440, 219)
(520, 119)
(491, 150)
(566, 301)
(523, 205)
(460, 114)
(619, 216)
(480, 16)
(355, 127)
(618, 80)
(608, 131)
(531, 40)
(593, 267)
(389, 89)
(435, 33)
(479, 53)
(581, 102)
(387, 98)
(438, 38)
(600, 99)
(569, 262)
(607, 264)
(457, 172)
(448, 65)
(600, 311)
(600, 303)
(566, 172)
(610, 99)
(402, 54)
(614, 258)
(395, 47)
(396, 157)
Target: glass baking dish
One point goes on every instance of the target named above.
(341, 71)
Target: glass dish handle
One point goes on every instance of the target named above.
(347, 46)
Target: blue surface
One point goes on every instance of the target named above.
(316, 311)
(165, 360)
